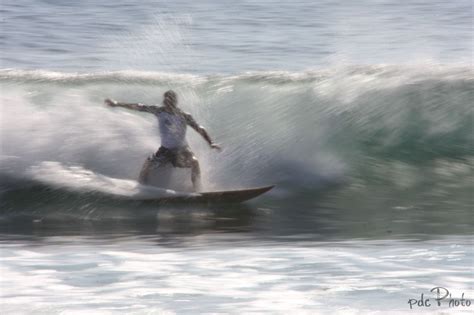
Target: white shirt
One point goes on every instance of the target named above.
(172, 129)
(172, 125)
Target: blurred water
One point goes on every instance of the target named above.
(231, 36)
(212, 274)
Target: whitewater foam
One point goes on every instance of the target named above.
(79, 179)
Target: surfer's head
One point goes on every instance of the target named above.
(170, 99)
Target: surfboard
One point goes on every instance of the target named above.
(81, 180)
(224, 196)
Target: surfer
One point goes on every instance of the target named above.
(174, 148)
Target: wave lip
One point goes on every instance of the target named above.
(125, 76)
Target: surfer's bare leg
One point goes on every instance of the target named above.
(146, 168)
(196, 174)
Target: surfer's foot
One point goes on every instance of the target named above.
(143, 177)
(197, 184)
(145, 171)
(197, 187)
(196, 175)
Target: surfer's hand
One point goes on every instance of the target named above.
(110, 102)
(216, 146)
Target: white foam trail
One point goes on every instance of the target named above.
(77, 178)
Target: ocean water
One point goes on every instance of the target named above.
(360, 113)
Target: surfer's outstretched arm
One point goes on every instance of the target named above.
(133, 106)
(200, 129)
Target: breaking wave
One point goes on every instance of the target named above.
(301, 131)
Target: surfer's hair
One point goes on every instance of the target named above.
(170, 97)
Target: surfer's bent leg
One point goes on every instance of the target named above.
(196, 174)
(184, 157)
(143, 177)
(161, 157)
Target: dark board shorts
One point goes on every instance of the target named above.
(179, 157)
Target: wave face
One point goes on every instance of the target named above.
(363, 127)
